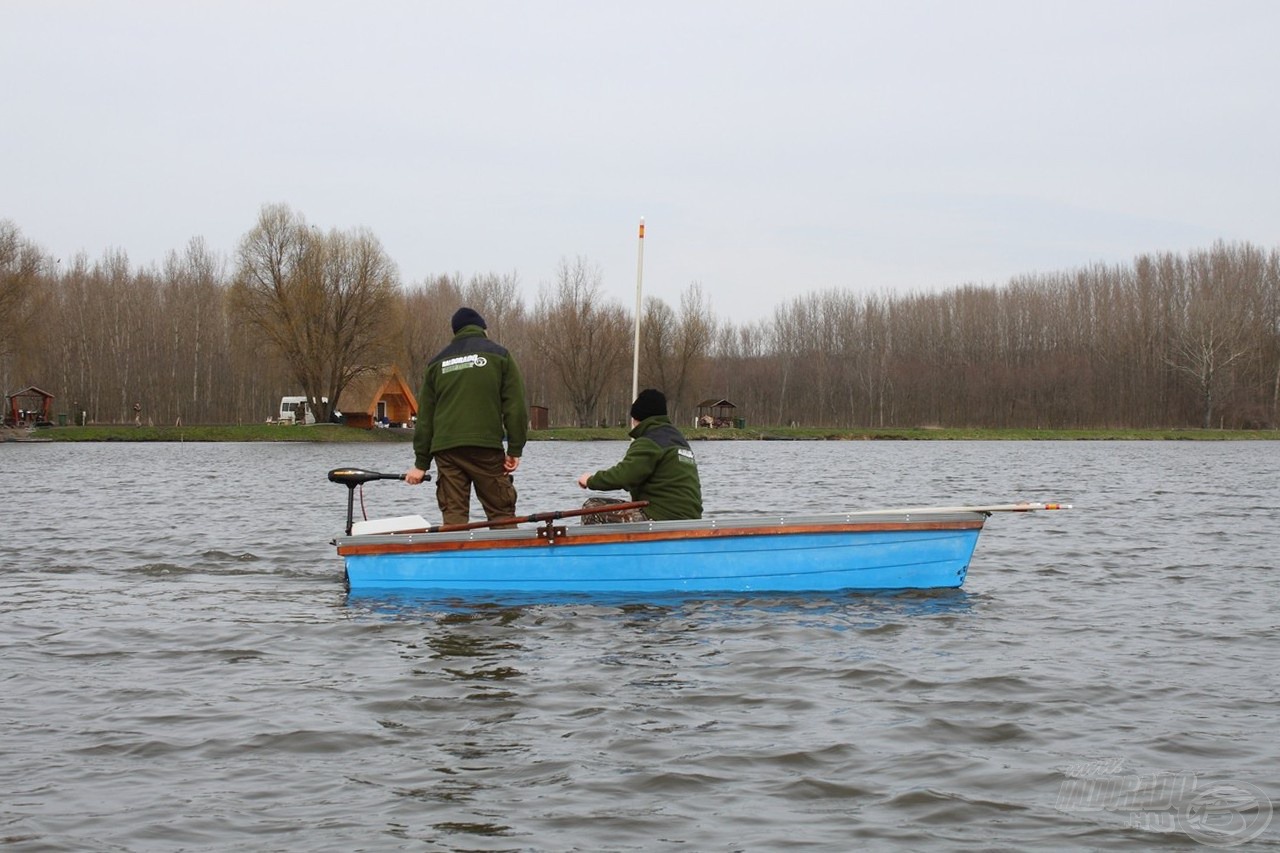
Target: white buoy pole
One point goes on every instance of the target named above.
(635, 358)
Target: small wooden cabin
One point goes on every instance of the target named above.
(380, 398)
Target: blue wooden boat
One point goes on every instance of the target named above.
(920, 548)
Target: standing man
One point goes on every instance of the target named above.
(472, 398)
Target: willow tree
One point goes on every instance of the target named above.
(323, 301)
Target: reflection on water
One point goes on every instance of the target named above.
(425, 605)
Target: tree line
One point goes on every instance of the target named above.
(1169, 340)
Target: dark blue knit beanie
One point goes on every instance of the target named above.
(467, 317)
(650, 402)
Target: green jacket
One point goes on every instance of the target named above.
(472, 396)
(658, 467)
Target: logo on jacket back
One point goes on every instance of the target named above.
(462, 362)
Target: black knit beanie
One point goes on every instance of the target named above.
(649, 403)
(467, 317)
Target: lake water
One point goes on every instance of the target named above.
(181, 668)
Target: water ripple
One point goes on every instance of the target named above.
(190, 674)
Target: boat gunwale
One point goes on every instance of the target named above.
(647, 532)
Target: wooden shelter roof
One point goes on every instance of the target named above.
(364, 392)
(31, 391)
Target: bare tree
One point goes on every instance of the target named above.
(674, 348)
(1203, 351)
(497, 298)
(194, 317)
(1165, 340)
(426, 308)
(119, 311)
(1270, 344)
(657, 343)
(1212, 334)
(324, 301)
(20, 265)
(582, 337)
(876, 349)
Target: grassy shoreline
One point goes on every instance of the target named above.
(332, 433)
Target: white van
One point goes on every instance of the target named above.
(297, 410)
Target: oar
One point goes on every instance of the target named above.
(1021, 507)
(352, 477)
(537, 516)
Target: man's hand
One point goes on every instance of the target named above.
(510, 463)
(582, 481)
(414, 476)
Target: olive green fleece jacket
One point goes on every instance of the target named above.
(658, 467)
(472, 396)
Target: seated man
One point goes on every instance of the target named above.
(659, 467)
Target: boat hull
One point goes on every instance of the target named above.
(821, 553)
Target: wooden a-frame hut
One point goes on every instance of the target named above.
(380, 398)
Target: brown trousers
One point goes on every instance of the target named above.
(459, 469)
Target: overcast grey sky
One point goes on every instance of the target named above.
(774, 148)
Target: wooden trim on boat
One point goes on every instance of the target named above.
(419, 543)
